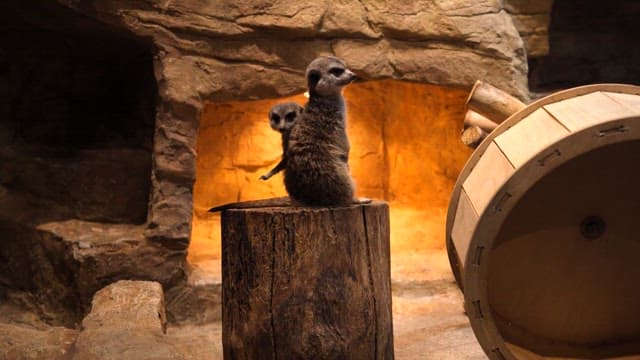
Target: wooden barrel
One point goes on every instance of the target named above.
(541, 229)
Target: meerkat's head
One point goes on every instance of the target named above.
(327, 75)
(283, 116)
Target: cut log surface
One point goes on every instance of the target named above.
(473, 136)
(310, 283)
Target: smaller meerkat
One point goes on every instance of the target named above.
(282, 118)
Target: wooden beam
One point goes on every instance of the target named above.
(472, 118)
(492, 102)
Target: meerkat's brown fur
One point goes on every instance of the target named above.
(317, 170)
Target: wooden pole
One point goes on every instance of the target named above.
(472, 118)
(492, 102)
(309, 283)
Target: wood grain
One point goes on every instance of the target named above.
(307, 283)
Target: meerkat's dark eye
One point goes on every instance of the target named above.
(275, 118)
(336, 71)
(290, 117)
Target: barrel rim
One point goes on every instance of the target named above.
(476, 293)
(454, 261)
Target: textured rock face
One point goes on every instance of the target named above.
(532, 18)
(198, 302)
(247, 50)
(200, 51)
(54, 267)
(126, 322)
(25, 342)
(230, 50)
(97, 185)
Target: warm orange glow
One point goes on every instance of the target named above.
(405, 148)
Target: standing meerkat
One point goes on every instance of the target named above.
(282, 118)
(317, 170)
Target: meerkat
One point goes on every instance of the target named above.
(282, 118)
(317, 170)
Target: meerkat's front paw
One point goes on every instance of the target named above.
(265, 177)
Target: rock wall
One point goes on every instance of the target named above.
(531, 18)
(243, 50)
(77, 114)
(221, 51)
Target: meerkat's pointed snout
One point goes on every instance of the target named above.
(351, 76)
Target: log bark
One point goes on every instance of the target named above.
(309, 283)
(492, 102)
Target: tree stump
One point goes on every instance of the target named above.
(307, 283)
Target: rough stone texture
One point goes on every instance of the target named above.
(201, 52)
(232, 50)
(532, 18)
(77, 115)
(225, 41)
(23, 335)
(249, 50)
(126, 321)
(197, 342)
(199, 301)
(18, 342)
(55, 266)
(96, 185)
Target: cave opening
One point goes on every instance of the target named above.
(590, 43)
(77, 117)
(405, 149)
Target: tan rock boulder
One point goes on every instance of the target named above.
(127, 321)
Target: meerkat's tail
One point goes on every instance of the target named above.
(262, 203)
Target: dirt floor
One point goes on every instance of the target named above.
(428, 322)
(428, 317)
